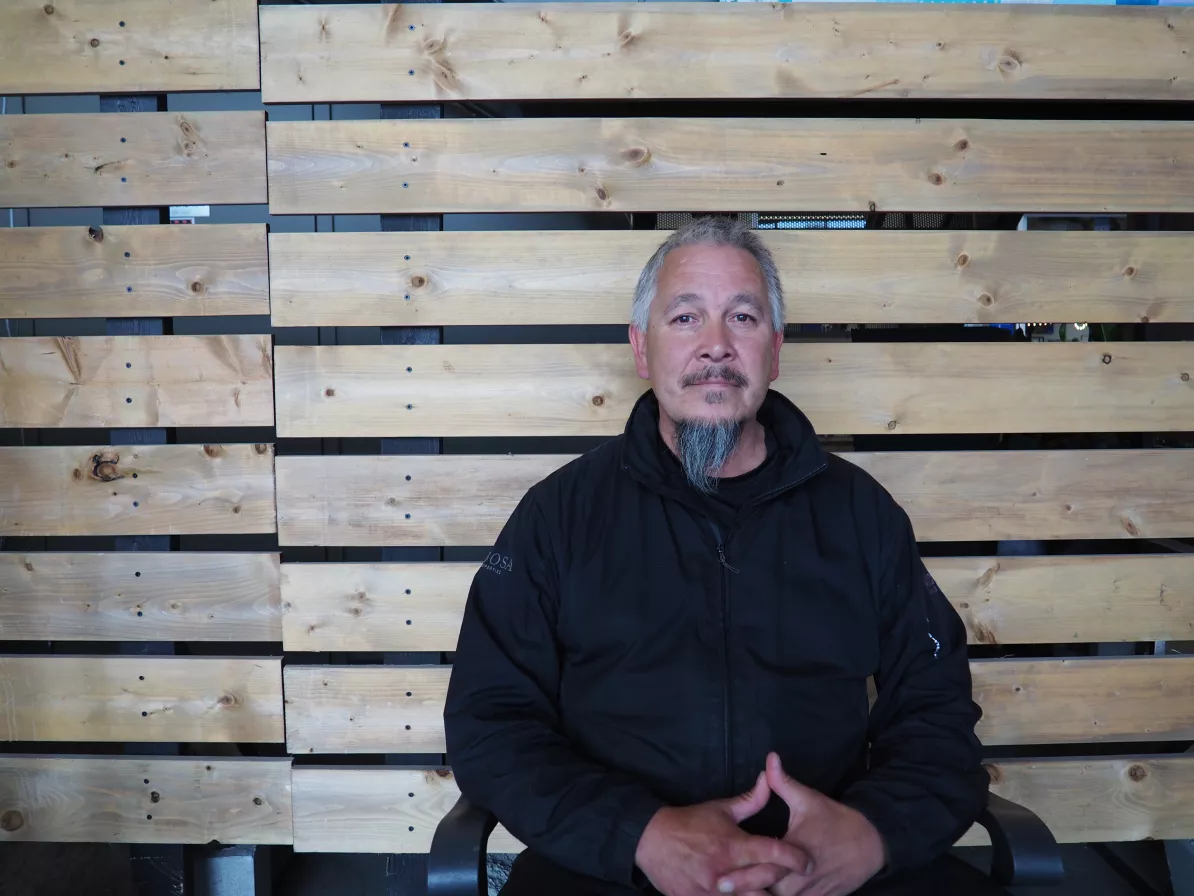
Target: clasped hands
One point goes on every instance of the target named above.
(829, 849)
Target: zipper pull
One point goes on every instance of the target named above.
(721, 558)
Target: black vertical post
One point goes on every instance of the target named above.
(158, 869)
(406, 875)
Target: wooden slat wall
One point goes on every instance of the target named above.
(867, 276)
(140, 596)
(145, 800)
(144, 699)
(166, 158)
(1082, 800)
(382, 709)
(665, 50)
(1002, 600)
(694, 164)
(137, 489)
(565, 390)
(138, 271)
(136, 46)
(951, 495)
(131, 381)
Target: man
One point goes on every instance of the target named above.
(663, 683)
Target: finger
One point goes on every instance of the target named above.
(752, 850)
(788, 789)
(752, 878)
(752, 802)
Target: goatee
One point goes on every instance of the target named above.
(703, 447)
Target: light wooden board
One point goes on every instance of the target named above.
(168, 158)
(144, 699)
(397, 709)
(183, 799)
(950, 496)
(136, 46)
(695, 164)
(131, 381)
(345, 809)
(566, 390)
(137, 489)
(139, 596)
(170, 270)
(1002, 600)
(319, 54)
(856, 276)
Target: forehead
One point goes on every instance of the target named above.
(709, 270)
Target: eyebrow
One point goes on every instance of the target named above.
(742, 298)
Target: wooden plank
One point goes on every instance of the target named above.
(169, 270)
(566, 390)
(145, 699)
(319, 54)
(128, 381)
(950, 496)
(1002, 600)
(864, 276)
(376, 709)
(78, 799)
(167, 158)
(338, 809)
(695, 164)
(137, 489)
(140, 46)
(143, 596)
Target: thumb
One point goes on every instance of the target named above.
(750, 803)
(788, 789)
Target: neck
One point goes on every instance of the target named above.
(750, 453)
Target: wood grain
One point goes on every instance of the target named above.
(399, 709)
(131, 381)
(950, 496)
(862, 276)
(319, 54)
(142, 596)
(168, 158)
(141, 46)
(1082, 800)
(197, 699)
(137, 489)
(169, 271)
(695, 164)
(77, 799)
(565, 390)
(1002, 600)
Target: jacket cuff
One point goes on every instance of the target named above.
(622, 844)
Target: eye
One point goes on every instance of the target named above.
(683, 319)
(743, 318)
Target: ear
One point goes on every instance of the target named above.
(776, 344)
(638, 342)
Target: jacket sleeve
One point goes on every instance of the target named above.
(925, 784)
(504, 733)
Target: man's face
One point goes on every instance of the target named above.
(710, 350)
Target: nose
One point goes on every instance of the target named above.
(716, 346)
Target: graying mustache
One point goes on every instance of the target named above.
(716, 373)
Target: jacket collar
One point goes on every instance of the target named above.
(799, 453)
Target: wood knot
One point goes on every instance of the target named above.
(1130, 527)
(28, 562)
(962, 145)
(48, 9)
(871, 206)
(418, 281)
(1129, 271)
(329, 392)
(602, 194)
(76, 474)
(391, 502)
(103, 467)
(1144, 318)
(892, 424)
(12, 820)
(433, 45)
(1185, 377)
(1106, 359)
(779, 183)
(236, 508)
(94, 42)
(598, 400)
(155, 797)
(257, 801)
(213, 450)
(1009, 62)
(227, 700)
(936, 178)
(626, 37)
(261, 448)
(963, 260)
(1137, 772)
(196, 286)
(986, 300)
(637, 155)
(963, 606)
(355, 611)
(940, 45)
(96, 233)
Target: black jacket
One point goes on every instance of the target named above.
(622, 651)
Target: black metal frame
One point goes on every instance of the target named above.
(1024, 852)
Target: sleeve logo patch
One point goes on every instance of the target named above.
(498, 563)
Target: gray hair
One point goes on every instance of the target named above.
(718, 231)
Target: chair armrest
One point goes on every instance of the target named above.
(456, 864)
(1024, 851)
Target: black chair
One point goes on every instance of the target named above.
(1024, 852)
